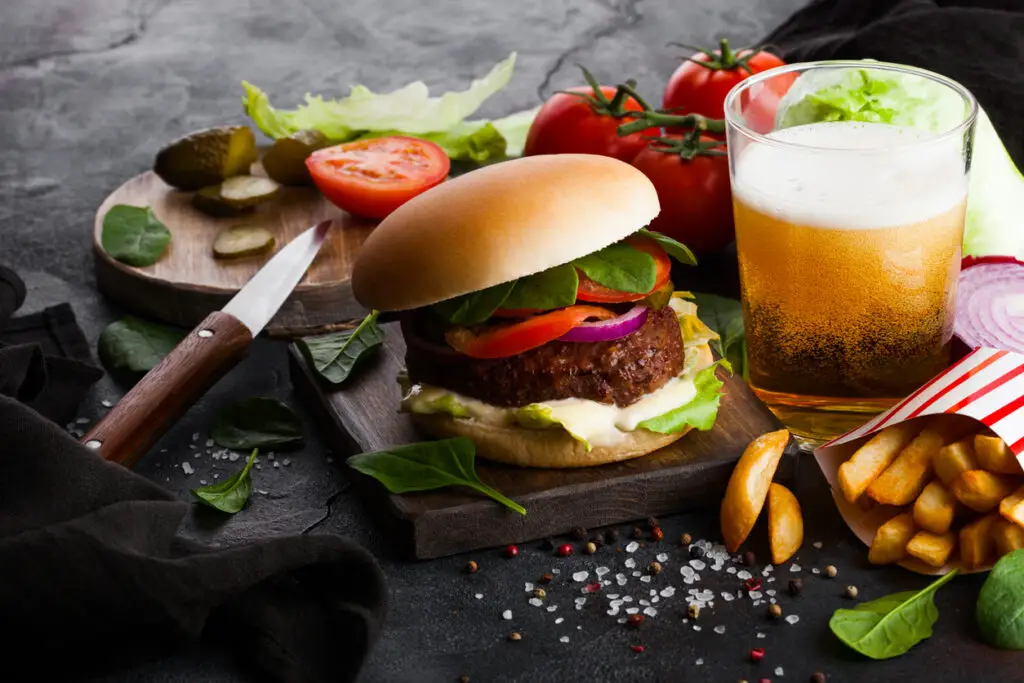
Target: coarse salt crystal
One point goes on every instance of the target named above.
(616, 603)
(770, 579)
(772, 600)
(743, 575)
(817, 544)
(794, 567)
(209, 443)
(645, 603)
(613, 611)
(632, 610)
(655, 599)
(631, 548)
(768, 569)
(761, 635)
(601, 571)
(815, 570)
(720, 630)
(195, 437)
(630, 563)
(559, 620)
(770, 591)
(755, 595)
(699, 662)
(637, 573)
(730, 570)
(621, 581)
(667, 592)
(507, 615)
(697, 564)
(536, 602)
(696, 627)
(612, 596)
(529, 587)
(653, 592)
(564, 639)
(661, 557)
(792, 619)
(778, 671)
(287, 461)
(106, 404)
(580, 601)
(202, 482)
(580, 576)
(651, 612)
(556, 571)
(758, 603)
(627, 598)
(186, 467)
(552, 608)
(233, 457)
(646, 578)
(479, 596)
(686, 570)
(727, 597)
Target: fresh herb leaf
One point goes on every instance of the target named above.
(1000, 610)
(674, 248)
(258, 423)
(135, 346)
(552, 288)
(889, 626)
(426, 466)
(724, 316)
(335, 356)
(231, 494)
(133, 235)
(475, 307)
(620, 267)
(699, 412)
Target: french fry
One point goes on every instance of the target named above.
(934, 508)
(871, 459)
(748, 486)
(1012, 507)
(904, 479)
(995, 456)
(976, 542)
(785, 523)
(982, 491)
(932, 549)
(954, 460)
(890, 541)
(1007, 536)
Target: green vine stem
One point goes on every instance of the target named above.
(724, 59)
(654, 119)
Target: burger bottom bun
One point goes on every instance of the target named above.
(553, 447)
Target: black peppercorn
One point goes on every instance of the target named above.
(796, 586)
(471, 567)
(579, 533)
(637, 532)
(547, 545)
(749, 559)
(818, 677)
(610, 536)
(598, 541)
(696, 552)
(685, 539)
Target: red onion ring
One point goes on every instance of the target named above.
(608, 330)
(990, 304)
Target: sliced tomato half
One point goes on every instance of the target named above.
(598, 293)
(502, 341)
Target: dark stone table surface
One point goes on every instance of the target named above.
(89, 90)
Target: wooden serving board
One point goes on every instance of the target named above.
(363, 416)
(187, 283)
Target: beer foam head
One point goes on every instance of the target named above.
(851, 175)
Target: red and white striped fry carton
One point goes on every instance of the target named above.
(986, 385)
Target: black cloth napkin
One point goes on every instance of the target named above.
(92, 573)
(979, 43)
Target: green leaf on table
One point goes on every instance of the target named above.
(552, 288)
(258, 423)
(475, 307)
(135, 346)
(426, 466)
(724, 316)
(133, 235)
(231, 494)
(1000, 609)
(891, 625)
(620, 267)
(674, 248)
(334, 356)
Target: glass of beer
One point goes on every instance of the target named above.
(849, 221)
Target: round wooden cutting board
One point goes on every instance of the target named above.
(187, 283)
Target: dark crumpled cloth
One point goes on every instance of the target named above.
(979, 43)
(92, 573)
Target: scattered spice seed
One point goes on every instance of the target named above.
(638, 532)
(654, 568)
(757, 654)
(546, 578)
(471, 567)
(463, 679)
(547, 544)
(564, 550)
(593, 587)
(697, 552)
(598, 541)
(515, 635)
(693, 611)
(635, 620)
(818, 677)
(753, 584)
(796, 586)
(590, 547)
(765, 680)
(580, 533)
(637, 648)
(540, 593)
(850, 592)
(610, 536)
(511, 551)
(774, 611)
(831, 571)
(685, 539)
(749, 559)
(652, 522)
(657, 534)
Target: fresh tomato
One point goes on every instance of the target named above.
(700, 84)
(696, 200)
(502, 341)
(372, 178)
(570, 124)
(597, 293)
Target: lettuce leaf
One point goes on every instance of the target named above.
(700, 412)
(539, 416)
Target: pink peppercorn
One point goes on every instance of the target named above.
(757, 654)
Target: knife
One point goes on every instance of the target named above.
(201, 358)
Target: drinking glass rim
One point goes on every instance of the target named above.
(732, 119)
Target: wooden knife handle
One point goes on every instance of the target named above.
(168, 390)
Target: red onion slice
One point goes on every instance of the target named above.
(608, 330)
(990, 304)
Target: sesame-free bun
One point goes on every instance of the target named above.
(554, 447)
(497, 224)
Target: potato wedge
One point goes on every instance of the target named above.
(932, 549)
(954, 460)
(785, 523)
(982, 491)
(748, 486)
(976, 543)
(905, 478)
(890, 541)
(1012, 507)
(871, 459)
(995, 456)
(934, 508)
(1007, 536)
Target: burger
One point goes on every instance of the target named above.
(539, 315)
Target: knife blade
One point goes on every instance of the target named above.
(216, 345)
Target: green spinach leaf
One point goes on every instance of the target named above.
(724, 316)
(1000, 609)
(426, 466)
(133, 235)
(135, 346)
(334, 356)
(889, 626)
(258, 423)
(552, 288)
(475, 307)
(231, 494)
(674, 248)
(699, 412)
(620, 267)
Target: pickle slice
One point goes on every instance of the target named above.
(244, 191)
(206, 157)
(209, 201)
(285, 161)
(241, 241)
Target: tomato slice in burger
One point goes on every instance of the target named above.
(372, 178)
(502, 341)
(597, 293)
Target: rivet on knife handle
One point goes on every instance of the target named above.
(168, 390)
